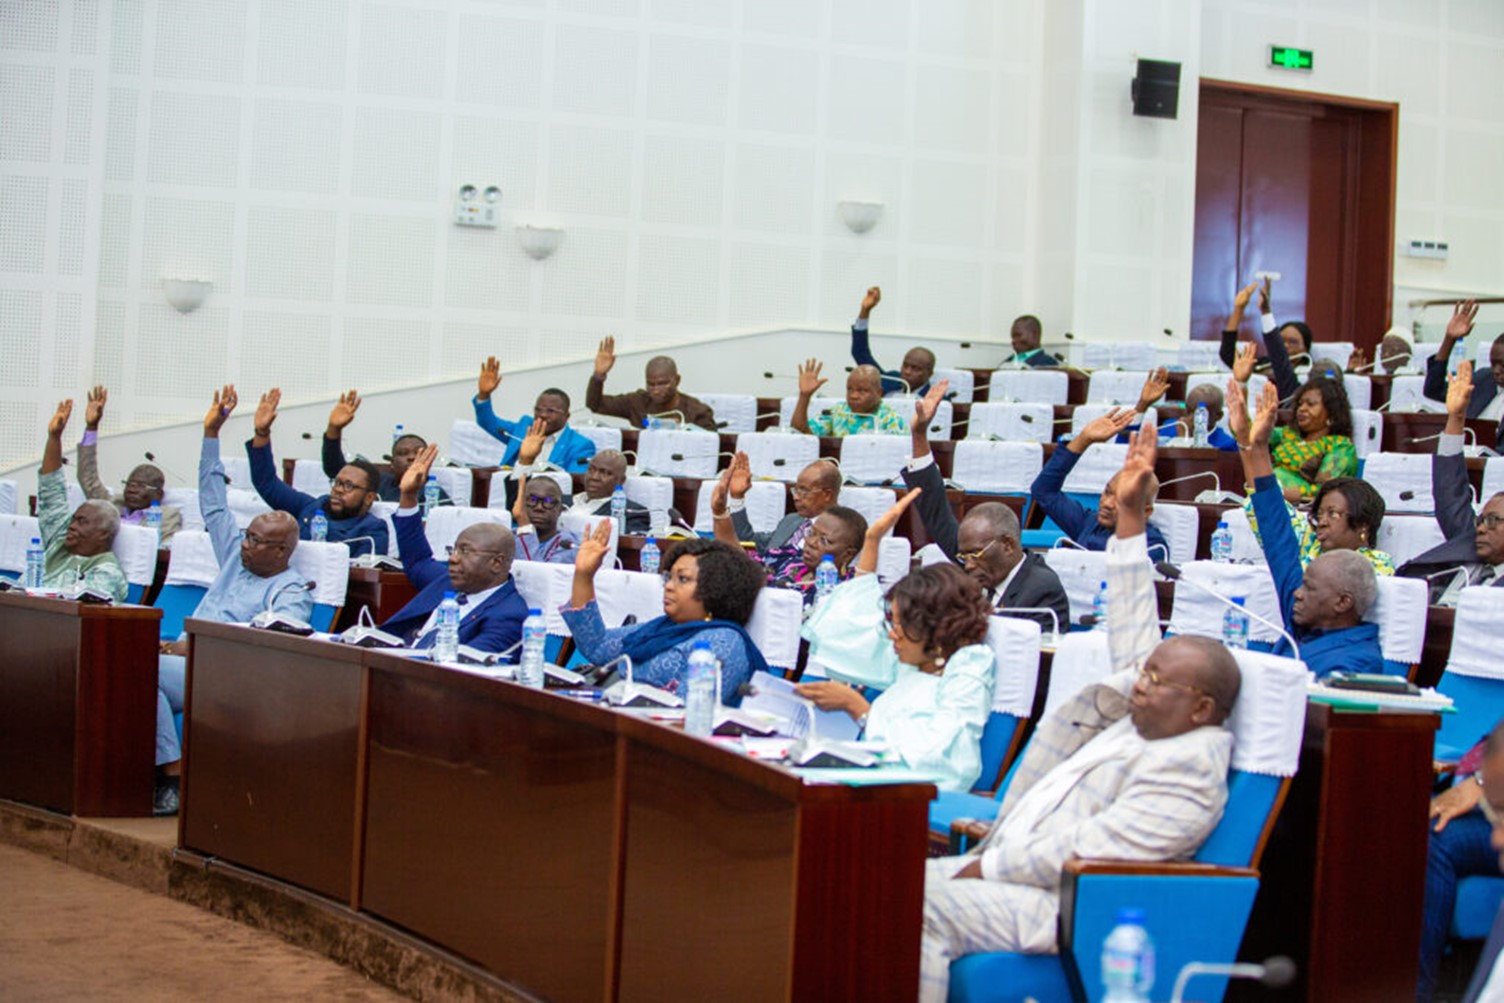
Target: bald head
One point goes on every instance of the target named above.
(661, 380)
(1216, 672)
(998, 520)
(1338, 588)
(481, 557)
(268, 543)
(864, 389)
(1210, 395)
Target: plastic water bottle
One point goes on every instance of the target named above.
(1099, 607)
(318, 527)
(826, 577)
(648, 563)
(1222, 543)
(397, 433)
(1235, 625)
(700, 696)
(1128, 960)
(1200, 423)
(446, 642)
(154, 518)
(430, 495)
(534, 636)
(36, 561)
(619, 509)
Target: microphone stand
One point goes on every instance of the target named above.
(1173, 573)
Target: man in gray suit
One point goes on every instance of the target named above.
(1133, 768)
(815, 490)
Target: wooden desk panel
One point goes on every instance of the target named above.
(78, 705)
(1176, 462)
(271, 734)
(382, 592)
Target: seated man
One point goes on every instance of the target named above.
(1474, 547)
(985, 543)
(479, 573)
(607, 472)
(1090, 528)
(76, 549)
(253, 576)
(563, 446)
(1025, 335)
(1488, 388)
(913, 377)
(1323, 607)
(404, 449)
(347, 506)
(1133, 768)
(1185, 426)
(864, 409)
(540, 502)
(827, 529)
(142, 487)
(659, 398)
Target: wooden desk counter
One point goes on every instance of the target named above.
(382, 592)
(78, 705)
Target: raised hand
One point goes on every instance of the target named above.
(1155, 386)
(343, 411)
(926, 406)
(740, 476)
(94, 409)
(1461, 324)
(1460, 389)
(266, 413)
(532, 443)
(593, 550)
(415, 477)
(1242, 364)
(605, 356)
(1241, 300)
(719, 493)
(1267, 416)
(1357, 361)
(873, 298)
(59, 419)
(1105, 428)
(809, 378)
(1135, 479)
(1237, 411)
(224, 402)
(490, 378)
(1264, 296)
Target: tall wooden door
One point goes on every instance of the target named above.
(1301, 185)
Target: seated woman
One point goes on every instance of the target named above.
(925, 646)
(1320, 446)
(1346, 513)
(709, 590)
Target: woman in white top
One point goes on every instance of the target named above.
(924, 645)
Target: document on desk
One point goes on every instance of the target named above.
(776, 698)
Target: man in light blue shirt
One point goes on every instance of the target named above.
(253, 576)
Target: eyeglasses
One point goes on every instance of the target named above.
(542, 501)
(972, 556)
(1156, 680)
(464, 551)
(1327, 515)
(345, 487)
(799, 490)
(257, 542)
(1490, 522)
(147, 485)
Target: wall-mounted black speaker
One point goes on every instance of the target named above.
(1156, 89)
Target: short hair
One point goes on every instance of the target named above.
(1339, 412)
(1499, 341)
(1210, 392)
(1327, 367)
(1217, 671)
(1001, 521)
(608, 454)
(534, 483)
(1365, 506)
(403, 438)
(728, 583)
(497, 537)
(827, 473)
(373, 476)
(854, 522)
(942, 607)
(1354, 575)
(926, 353)
(284, 522)
(108, 512)
(556, 392)
(152, 471)
(1029, 323)
(662, 362)
(871, 374)
(1305, 332)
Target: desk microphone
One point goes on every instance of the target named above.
(267, 619)
(152, 458)
(1024, 612)
(1467, 430)
(1172, 572)
(1276, 973)
(1377, 362)
(1462, 570)
(676, 518)
(369, 560)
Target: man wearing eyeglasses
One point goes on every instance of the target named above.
(347, 506)
(562, 446)
(1133, 768)
(815, 489)
(143, 486)
(405, 449)
(254, 575)
(479, 572)
(1474, 547)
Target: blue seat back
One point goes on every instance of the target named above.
(1251, 798)
(1478, 702)
(997, 735)
(177, 602)
(134, 592)
(322, 616)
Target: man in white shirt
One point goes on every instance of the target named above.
(607, 472)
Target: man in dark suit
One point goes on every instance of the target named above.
(1488, 388)
(1474, 544)
(912, 377)
(608, 471)
(1025, 335)
(814, 490)
(985, 543)
(479, 572)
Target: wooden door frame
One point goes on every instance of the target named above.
(1367, 296)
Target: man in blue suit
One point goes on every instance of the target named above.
(1487, 402)
(479, 572)
(564, 447)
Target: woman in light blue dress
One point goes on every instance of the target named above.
(924, 645)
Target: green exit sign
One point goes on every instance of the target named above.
(1289, 59)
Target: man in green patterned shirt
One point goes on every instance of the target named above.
(864, 409)
(78, 547)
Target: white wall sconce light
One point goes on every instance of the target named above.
(186, 295)
(860, 216)
(538, 242)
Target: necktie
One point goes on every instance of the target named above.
(1486, 576)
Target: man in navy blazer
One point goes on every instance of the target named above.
(1487, 401)
(479, 572)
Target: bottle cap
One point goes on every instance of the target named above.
(1221, 523)
(1239, 600)
(1201, 406)
(535, 611)
(433, 478)
(828, 559)
(36, 539)
(1130, 915)
(700, 646)
(448, 595)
